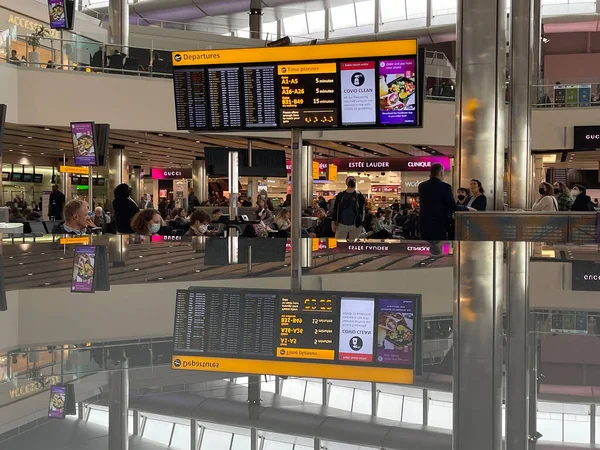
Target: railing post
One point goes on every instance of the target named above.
(425, 407)
(593, 424)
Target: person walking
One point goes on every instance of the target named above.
(348, 212)
(546, 202)
(563, 196)
(437, 206)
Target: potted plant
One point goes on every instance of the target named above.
(34, 41)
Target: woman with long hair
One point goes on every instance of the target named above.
(563, 196)
(546, 202)
(147, 222)
(478, 199)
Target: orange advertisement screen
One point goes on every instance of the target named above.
(361, 337)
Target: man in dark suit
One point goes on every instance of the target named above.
(437, 206)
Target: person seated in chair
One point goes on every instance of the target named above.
(77, 221)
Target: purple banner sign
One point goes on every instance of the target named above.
(84, 266)
(58, 400)
(395, 331)
(397, 92)
(84, 144)
(58, 14)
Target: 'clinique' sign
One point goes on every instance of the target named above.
(416, 164)
(171, 174)
(586, 137)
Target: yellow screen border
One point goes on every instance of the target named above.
(294, 369)
(295, 53)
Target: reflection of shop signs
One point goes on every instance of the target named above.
(32, 388)
(30, 25)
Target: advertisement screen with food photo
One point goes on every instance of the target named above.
(58, 14)
(84, 263)
(395, 331)
(58, 400)
(397, 96)
(84, 144)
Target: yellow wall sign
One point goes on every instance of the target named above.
(295, 53)
(79, 170)
(293, 369)
(30, 25)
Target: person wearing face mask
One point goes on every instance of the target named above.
(125, 208)
(582, 202)
(262, 195)
(563, 196)
(462, 196)
(146, 202)
(148, 222)
(546, 202)
(348, 212)
(199, 221)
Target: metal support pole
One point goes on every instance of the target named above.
(118, 24)
(327, 20)
(425, 407)
(428, 14)
(234, 183)
(193, 434)
(80, 411)
(534, 347)
(136, 422)
(537, 46)
(297, 170)
(317, 444)
(307, 176)
(521, 68)
(91, 188)
(199, 179)
(324, 388)
(136, 183)
(118, 406)
(256, 19)
(118, 170)
(478, 345)
(277, 386)
(593, 424)
(517, 371)
(377, 19)
(279, 28)
(373, 399)
(254, 396)
(253, 439)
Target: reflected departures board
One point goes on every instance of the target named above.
(358, 85)
(352, 336)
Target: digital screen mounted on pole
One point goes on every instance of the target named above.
(361, 337)
(357, 85)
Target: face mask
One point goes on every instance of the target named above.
(556, 190)
(203, 228)
(263, 196)
(574, 193)
(154, 228)
(461, 197)
(542, 191)
(352, 184)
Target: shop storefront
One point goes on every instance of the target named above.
(167, 183)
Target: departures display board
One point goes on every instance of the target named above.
(358, 85)
(352, 336)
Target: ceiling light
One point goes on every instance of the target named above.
(136, 142)
(10, 149)
(20, 145)
(61, 149)
(160, 134)
(29, 137)
(42, 153)
(168, 148)
(141, 153)
(197, 142)
(46, 129)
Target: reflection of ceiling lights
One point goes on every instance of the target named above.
(549, 159)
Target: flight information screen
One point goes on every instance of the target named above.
(358, 85)
(308, 95)
(259, 97)
(359, 337)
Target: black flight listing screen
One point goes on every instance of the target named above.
(360, 337)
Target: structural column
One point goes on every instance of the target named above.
(135, 181)
(307, 176)
(298, 169)
(481, 61)
(256, 19)
(118, 406)
(118, 170)
(199, 179)
(118, 24)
